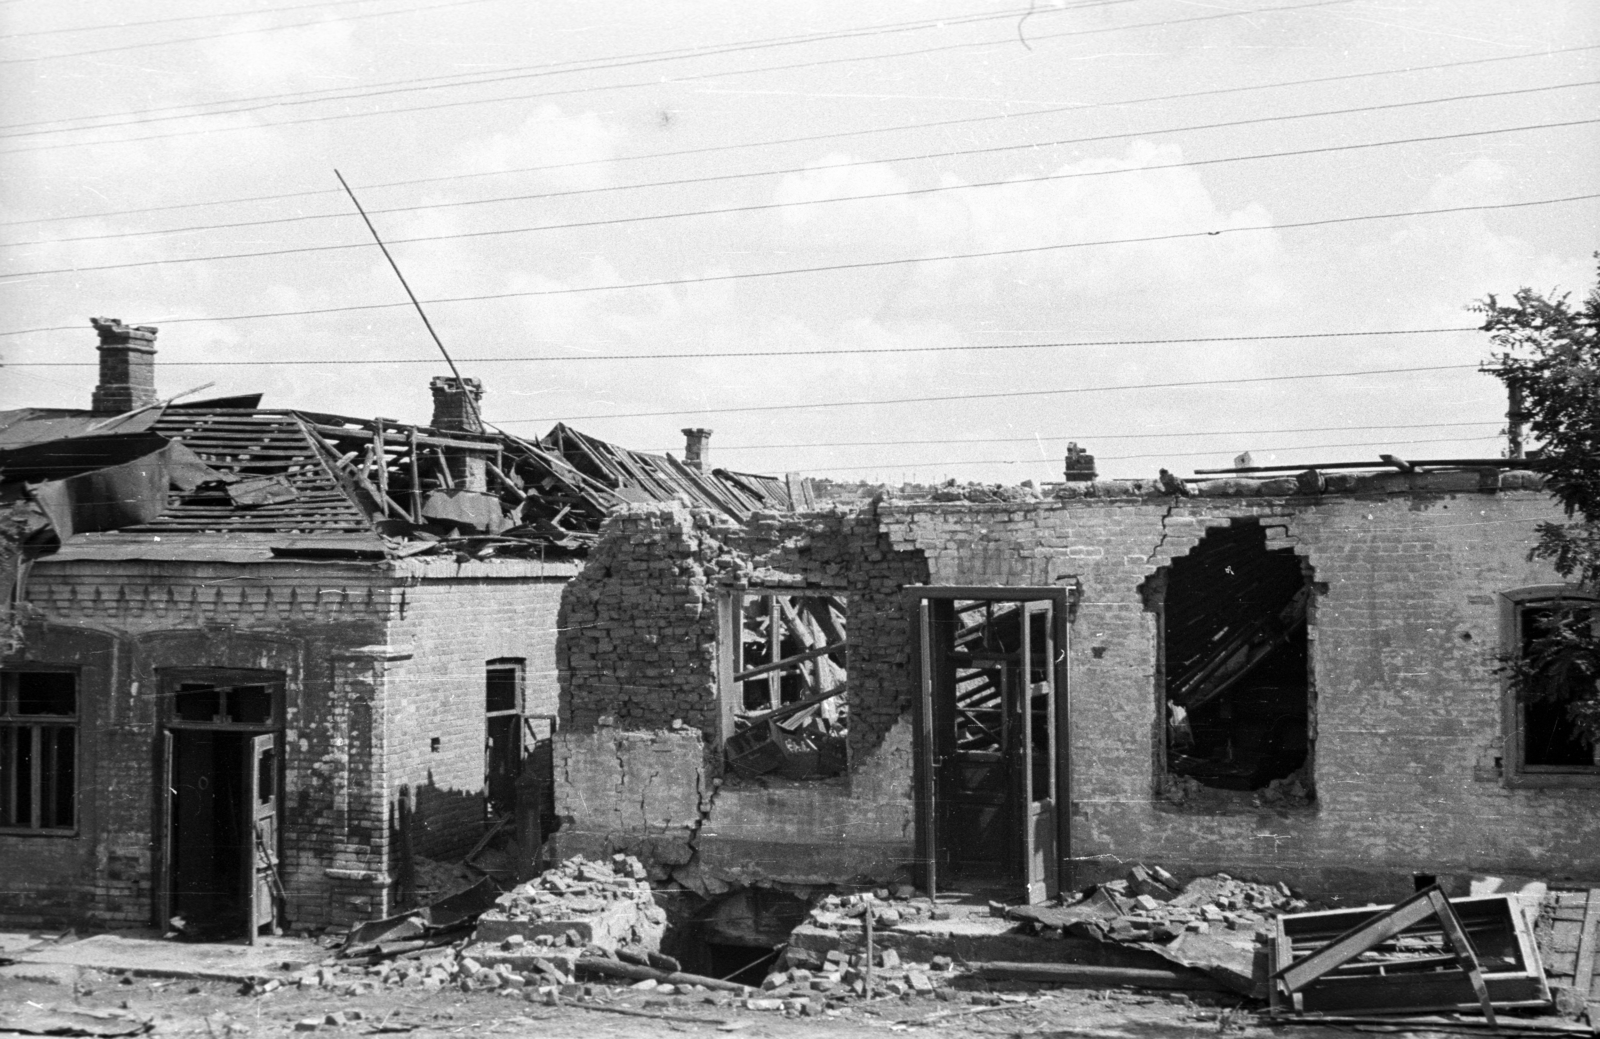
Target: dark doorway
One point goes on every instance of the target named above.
(219, 778)
(209, 826)
(992, 772)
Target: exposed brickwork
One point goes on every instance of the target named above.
(453, 626)
(127, 366)
(639, 625)
(1404, 647)
(639, 644)
(1405, 639)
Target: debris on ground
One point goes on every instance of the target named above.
(1214, 924)
(436, 880)
(890, 907)
(580, 903)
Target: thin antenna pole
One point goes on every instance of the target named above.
(460, 382)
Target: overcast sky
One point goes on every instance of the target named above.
(154, 131)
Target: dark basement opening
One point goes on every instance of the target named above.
(737, 936)
(1236, 660)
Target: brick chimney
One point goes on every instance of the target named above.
(455, 410)
(697, 448)
(1079, 464)
(127, 366)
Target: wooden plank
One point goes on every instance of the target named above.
(1379, 928)
(798, 658)
(1467, 956)
(1084, 975)
(1583, 975)
(1445, 990)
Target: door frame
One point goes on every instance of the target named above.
(168, 726)
(1063, 600)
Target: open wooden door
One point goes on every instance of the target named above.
(260, 858)
(165, 793)
(927, 754)
(990, 743)
(1035, 710)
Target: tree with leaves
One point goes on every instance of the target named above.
(1547, 352)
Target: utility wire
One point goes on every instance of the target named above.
(917, 157)
(773, 142)
(650, 83)
(237, 32)
(1123, 458)
(1009, 394)
(867, 264)
(417, 83)
(722, 355)
(1084, 437)
(181, 18)
(305, 249)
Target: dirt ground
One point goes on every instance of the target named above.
(218, 1010)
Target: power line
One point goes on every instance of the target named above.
(880, 263)
(236, 32)
(1123, 458)
(181, 18)
(283, 99)
(1009, 394)
(651, 83)
(921, 156)
(280, 362)
(817, 137)
(866, 264)
(1086, 437)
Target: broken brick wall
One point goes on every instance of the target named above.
(1404, 644)
(638, 652)
(453, 618)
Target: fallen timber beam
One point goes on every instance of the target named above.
(618, 969)
(788, 662)
(402, 439)
(778, 714)
(1083, 975)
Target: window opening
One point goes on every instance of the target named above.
(38, 750)
(790, 712)
(251, 704)
(503, 744)
(1555, 677)
(1236, 662)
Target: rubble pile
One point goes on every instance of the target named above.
(839, 975)
(890, 908)
(1150, 904)
(580, 904)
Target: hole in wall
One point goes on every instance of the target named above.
(737, 936)
(1236, 658)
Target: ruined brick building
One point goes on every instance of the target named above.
(1291, 679)
(258, 654)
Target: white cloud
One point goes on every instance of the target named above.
(549, 137)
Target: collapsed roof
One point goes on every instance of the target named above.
(330, 485)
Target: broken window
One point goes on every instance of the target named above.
(502, 752)
(784, 684)
(38, 750)
(1235, 664)
(1552, 663)
(223, 704)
